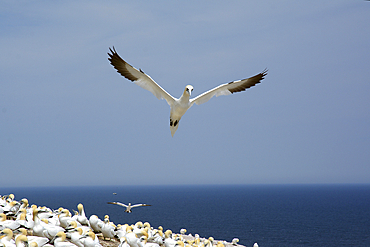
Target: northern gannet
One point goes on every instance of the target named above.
(89, 240)
(168, 240)
(40, 241)
(7, 238)
(123, 242)
(181, 105)
(65, 218)
(131, 238)
(21, 241)
(129, 206)
(81, 216)
(235, 241)
(108, 229)
(60, 240)
(4, 223)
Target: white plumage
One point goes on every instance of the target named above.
(181, 105)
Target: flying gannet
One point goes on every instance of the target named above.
(129, 206)
(181, 105)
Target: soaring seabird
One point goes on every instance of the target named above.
(181, 105)
(129, 206)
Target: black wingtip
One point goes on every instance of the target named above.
(264, 72)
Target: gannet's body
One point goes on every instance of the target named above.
(181, 105)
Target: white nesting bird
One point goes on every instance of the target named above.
(235, 241)
(81, 216)
(89, 240)
(121, 230)
(123, 242)
(209, 242)
(75, 235)
(23, 221)
(4, 223)
(65, 218)
(60, 240)
(168, 240)
(95, 223)
(7, 238)
(132, 239)
(40, 241)
(108, 229)
(21, 241)
(129, 206)
(181, 105)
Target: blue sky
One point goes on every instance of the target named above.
(68, 118)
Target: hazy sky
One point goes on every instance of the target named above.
(68, 118)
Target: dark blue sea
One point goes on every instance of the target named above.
(271, 215)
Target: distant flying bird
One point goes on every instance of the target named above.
(129, 206)
(181, 105)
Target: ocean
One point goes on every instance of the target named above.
(271, 215)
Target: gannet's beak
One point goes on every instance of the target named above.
(189, 89)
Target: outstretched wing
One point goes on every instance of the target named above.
(229, 88)
(138, 77)
(118, 203)
(139, 205)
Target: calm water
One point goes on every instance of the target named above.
(271, 215)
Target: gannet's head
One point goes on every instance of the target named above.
(61, 235)
(80, 207)
(188, 89)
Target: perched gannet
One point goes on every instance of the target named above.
(10, 208)
(168, 240)
(38, 229)
(43, 229)
(23, 206)
(65, 218)
(75, 235)
(235, 241)
(60, 240)
(131, 238)
(123, 242)
(4, 223)
(40, 241)
(21, 241)
(89, 240)
(73, 225)
(209, 242)
(145, 243)
(181, 105)
(23, 221)
(129, 206)
(9, 197)
(180, 243)
(95, 223)
(7, 238)
(108, 229)
(156, 237)
(121, 230)
(81, 217)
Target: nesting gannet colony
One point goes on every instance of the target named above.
(22, 225)
(181, 105)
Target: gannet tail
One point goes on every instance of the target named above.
(174, 124)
